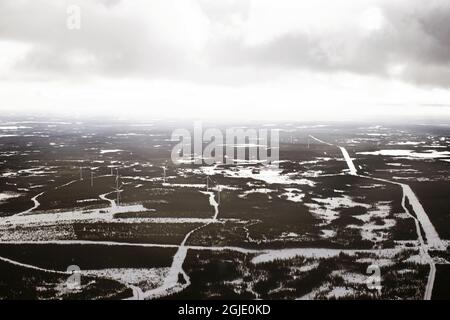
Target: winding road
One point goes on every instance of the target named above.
(171, 283)
(36, 204)
(421, 219)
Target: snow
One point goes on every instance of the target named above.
(186, 185)
(256, 190)
(8, 195)
(327, 208)
(268, 174)
(308, 267)
(372, 186)
(394, 164)
(294, 195)
(285, 254)
(382, 210)
(143, 278)
(318, 160)
(372, 230)
(13, 127)
(38, 171)
(289, 235)
(93, 216)
(427, 154)
(129, 134)
(422, 218)
(404, 271)
(9, 174)
(86, 200)
(417, 259)
(377, 261)
(406, 143)
(110, 151)
(326, 234)
(340, 292)
(317, 253)
(36, 233)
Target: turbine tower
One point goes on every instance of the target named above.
(208, 179)
(118, 187)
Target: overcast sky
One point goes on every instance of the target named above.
(261, 59)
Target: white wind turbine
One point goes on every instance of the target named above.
(164, 167)
(218, 187)
(118, 188)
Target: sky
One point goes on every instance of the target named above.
(226, 59)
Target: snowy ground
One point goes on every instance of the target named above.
(251, 182)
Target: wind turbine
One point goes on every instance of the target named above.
(92, 178)
(208, 179)
(219, 189)
(118, 188)
(81, 173)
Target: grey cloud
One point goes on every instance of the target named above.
(416, 34)
(107, 44)
(224, 11)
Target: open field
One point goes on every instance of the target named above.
(107, 198)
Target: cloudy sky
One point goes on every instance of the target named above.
(259, 59)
